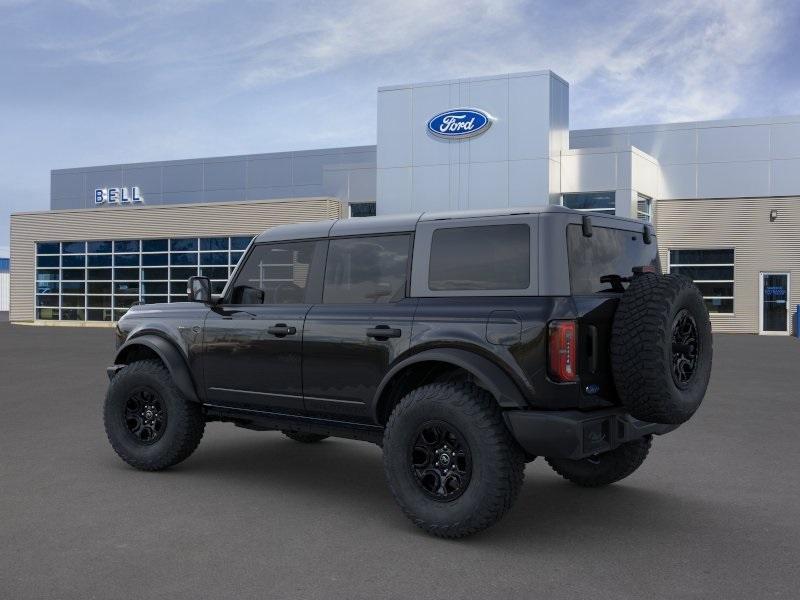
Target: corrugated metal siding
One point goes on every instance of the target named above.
(744, 225)
(3, 291)
(234, 218)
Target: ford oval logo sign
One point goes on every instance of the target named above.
(460, 123)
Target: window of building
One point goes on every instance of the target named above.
(493, 257)
(599, 202)
(366, 270)
(98, 280)
(607, 252)
(644, 208)
(712, 271)
(362, 209)
(280, 270)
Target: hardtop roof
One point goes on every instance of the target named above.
(396, 223)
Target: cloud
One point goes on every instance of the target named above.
(687, 61)
(97, 82)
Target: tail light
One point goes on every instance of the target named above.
(562, 350)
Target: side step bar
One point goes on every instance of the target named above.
(267, 421)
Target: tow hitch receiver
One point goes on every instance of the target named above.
(574, 434)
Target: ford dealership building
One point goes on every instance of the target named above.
(724, 197)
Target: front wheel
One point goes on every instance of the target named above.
(606, 468)
(149, 423)
(450, 462)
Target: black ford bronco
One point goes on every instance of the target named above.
(464, 344)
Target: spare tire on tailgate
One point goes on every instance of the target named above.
(661, 348)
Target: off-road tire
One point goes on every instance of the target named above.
(184, 427)
(605, 468)
(642, 348)
(305, 438)
(497, 462)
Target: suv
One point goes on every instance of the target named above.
(465, 344)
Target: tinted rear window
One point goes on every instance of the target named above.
(366, 270)
(607, 252)
(492, 257)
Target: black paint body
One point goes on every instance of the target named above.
(330, 368)
(338, 369)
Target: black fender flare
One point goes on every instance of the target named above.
(169, 355)
(496, 381)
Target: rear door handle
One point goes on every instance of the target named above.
(282, 330)
(383, 332)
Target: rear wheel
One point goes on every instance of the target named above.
(450, 462)
(149, 423)
(606, 468)
(305, 438)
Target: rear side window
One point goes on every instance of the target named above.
(491, 257)
(366, 270)
(607, 252)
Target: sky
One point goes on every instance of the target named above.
(94, 82)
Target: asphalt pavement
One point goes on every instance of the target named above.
(713, 513)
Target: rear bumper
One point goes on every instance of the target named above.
(574, 434)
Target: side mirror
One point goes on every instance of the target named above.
(199, 289)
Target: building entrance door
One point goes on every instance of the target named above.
(774, 304)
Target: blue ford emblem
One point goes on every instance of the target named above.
(460, 123)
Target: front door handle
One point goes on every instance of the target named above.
(383, 332)
(281, 330)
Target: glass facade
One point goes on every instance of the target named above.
(363, 209)
(712, 271)
(599, 202)
(98, 280)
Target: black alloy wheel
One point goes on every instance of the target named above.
(145, 415)
(440, 461)
(685, 348)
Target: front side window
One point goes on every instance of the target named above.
(606, 252)
(281, 271)
(492, 257)
(712, 272)
(366, 270)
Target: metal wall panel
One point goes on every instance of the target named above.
(593, 172)
(712, 159)
(731, 144)
(67, 185)
(785, 176)
(531, 121)
(678, 181)
(251, 177)
(677, 147)
(733, 179)
(269, 172)
(395, 130)
(744, 225)
(226, 175)
(785, 140)
(182, 178)
(147, 179)
(131, 222)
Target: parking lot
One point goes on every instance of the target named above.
(713, 513)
